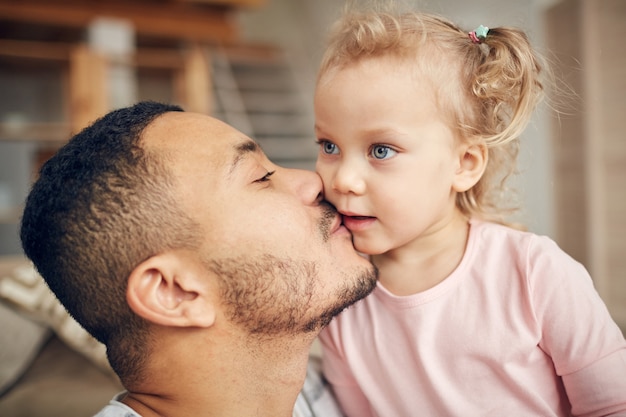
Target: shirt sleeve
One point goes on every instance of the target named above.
(351, 399)
(586, 346)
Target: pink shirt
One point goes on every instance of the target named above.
(516, 330)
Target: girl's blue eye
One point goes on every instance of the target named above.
(382, 152)
(327, 147)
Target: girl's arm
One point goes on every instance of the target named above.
(587, 347)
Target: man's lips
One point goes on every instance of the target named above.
(337, 223)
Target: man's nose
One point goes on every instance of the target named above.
(306, 184)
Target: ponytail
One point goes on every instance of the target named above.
(506, 83)
(504, 78)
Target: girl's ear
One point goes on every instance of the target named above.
(472, 163)
(167, 290)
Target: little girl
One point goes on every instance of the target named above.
(418, 125)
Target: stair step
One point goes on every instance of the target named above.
(281, 124)
(272, 102)
(301, 148)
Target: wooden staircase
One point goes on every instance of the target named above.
(257, 92)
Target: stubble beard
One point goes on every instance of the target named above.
(365, 284)
(267, 295)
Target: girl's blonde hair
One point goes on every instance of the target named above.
(487, 91)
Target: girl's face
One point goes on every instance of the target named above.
(389, 161)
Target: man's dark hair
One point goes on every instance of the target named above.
(100, 206)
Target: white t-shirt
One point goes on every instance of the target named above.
(117, 409)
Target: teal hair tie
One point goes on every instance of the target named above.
(479, 34)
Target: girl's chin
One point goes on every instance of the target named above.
(367, 248)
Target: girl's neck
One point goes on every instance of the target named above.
(424, 262)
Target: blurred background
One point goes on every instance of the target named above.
(252, 63)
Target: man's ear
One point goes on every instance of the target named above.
(167, 289)
(472, 163)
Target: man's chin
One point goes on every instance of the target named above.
(364, 285)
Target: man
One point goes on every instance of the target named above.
(205, 269)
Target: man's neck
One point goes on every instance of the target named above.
(248, 378)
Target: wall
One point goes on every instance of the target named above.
(32, 95)
(590, 149)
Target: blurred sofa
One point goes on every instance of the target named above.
(49, 366)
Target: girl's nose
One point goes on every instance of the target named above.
(348, 180)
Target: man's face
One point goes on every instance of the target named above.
(284, 262)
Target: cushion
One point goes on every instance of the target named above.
(20, 341)
(60, 382)
(24, 289)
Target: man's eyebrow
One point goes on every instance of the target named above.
(242, 149)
